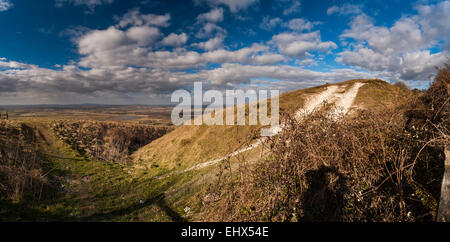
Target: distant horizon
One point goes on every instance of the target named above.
(80, 104)
(170, 104)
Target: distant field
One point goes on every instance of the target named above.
(155, 115)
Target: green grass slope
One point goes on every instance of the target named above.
(190, 145)
(86, 189)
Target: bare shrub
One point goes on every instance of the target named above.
(21, 173)
(401, 85)
(383, 164)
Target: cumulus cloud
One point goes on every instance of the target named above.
(72, 81)
(234, 5)
(112, 38)
(12, 64)
(135, 18)
(404, 35)
(91, 4)
(269, 23)
(74, 33)
(211, 44)
(300, 24)
(209, 29)
(418, 65)
(5, 5)
(209, 21)
(215, 15)
(403, 48)
(127, 62)
(296, 24)
(134, 47)
(298, 44)
(256, 54)
(239, 73)
(293, 7)
(175, 40)
(140, 84)
(434, 20)
(308, 62)
(346, 9)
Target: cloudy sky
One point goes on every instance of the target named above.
(140, 51)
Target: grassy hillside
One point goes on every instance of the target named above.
(189, 145)
(83, 187)
(44, 178)
(384, 163)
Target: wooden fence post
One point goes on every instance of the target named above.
(444, 204)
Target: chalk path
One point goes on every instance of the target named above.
(333, 94)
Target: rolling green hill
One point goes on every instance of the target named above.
(189, 145)
(167, 179)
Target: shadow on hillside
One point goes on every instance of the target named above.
(23, 212)
(324, 199)
(15, 212)
(158, 200)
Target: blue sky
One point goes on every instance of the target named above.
(120, 52)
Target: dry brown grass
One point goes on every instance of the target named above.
(384, 164)
(189, 145)
(21, 173)
(401, 85)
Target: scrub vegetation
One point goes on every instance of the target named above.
(381, 162)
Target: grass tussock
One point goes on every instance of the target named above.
(110, 141)
(384, 164)
(402, 85)
(21, 172)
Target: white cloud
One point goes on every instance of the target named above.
(72, 84)
(300, 24)
(143, 35)
(91, 4)
(418, 65)
(209, 22)
(127, 61)
(215, 15)
(268, 59)
(234, 5)
(403, 48)
(434, 20)
(209, 29)
(238, 73)
(135, 18)
(404, 35)
(346, 9)
(308, 62)
(74, 33)
(211, 44)
(256, 54)
(5, 5)
(270, 23)
(368, 59)
(118, 48)
(12, 64)
(296, 24)
(294, 7)
(100, 41)
(175, 40)
(297, 44)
